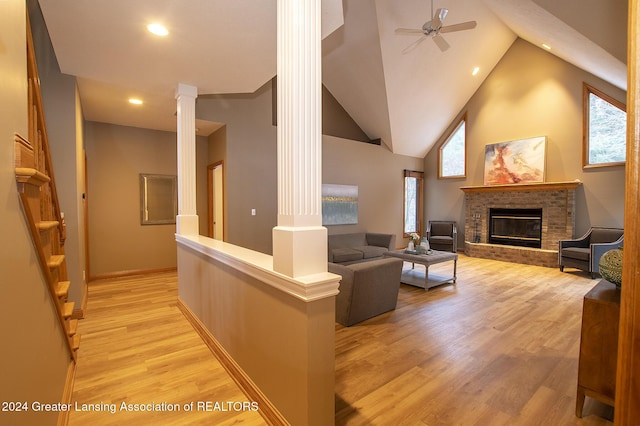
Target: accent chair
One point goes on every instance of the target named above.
(585, 252)
(442, 235)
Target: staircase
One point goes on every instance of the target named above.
(37, 189)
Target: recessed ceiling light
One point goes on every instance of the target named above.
(546, 46)
(158, 29)
(475, 71)
(135, 101)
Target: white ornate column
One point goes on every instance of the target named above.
(187, 220)
(299, 240)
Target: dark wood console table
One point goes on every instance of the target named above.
(599, 345)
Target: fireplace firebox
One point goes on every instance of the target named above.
(515, 227)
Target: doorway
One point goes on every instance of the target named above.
(215, 200)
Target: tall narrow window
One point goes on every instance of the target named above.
(412, 202)
(605, 129)
(452, 152)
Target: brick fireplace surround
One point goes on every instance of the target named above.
(557, 200)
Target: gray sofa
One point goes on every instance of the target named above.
(358, 247)
(367, 289)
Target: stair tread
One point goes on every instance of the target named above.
(62, 288)
(67, 310)
(72, 327)
(31, 176)
(76, 342)
(46, 225)
(55, 261)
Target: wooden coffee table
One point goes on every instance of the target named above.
(419, 277)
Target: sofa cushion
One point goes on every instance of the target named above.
(347, 240)
(370, 251)
(346, 255)
(578, 253)
(381, 240)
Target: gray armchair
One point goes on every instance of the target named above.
(442, 235)
(585, 252)
(367, 289)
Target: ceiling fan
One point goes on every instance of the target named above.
(435, 26)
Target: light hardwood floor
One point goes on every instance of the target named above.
(138, 348)
(498, 348)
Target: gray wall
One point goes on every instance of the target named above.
(116, 155)
(529, 93)
(251, 181)
(379, 175)
(532, 93)
(250, 171)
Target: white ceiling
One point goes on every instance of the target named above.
(396, 88)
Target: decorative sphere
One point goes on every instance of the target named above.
(611, 266)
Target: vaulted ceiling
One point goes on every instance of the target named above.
(398, 87)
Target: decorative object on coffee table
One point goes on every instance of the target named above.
(423, 247)
(611, 266)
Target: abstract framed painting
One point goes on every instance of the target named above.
(339, 204)
(515, 162)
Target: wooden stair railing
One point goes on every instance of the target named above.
(37, 189)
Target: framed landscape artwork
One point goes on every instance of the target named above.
(339, 204)
(515, 162)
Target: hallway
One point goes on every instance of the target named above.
(137, 348)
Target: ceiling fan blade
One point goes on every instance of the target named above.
(438, 18)
(408, 31)
(441, 43)
(459, 27)
(413, 45)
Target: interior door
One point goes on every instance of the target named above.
(215, 189)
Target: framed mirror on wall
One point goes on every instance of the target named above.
(158, 199)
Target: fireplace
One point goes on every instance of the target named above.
(515, 227)
(556, 201)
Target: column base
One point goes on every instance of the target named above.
(299, 251)
(187, 224)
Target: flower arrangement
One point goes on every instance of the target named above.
(416, 238)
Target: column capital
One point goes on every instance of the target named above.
(186, 90)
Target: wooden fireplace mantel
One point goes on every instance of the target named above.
(547, 186)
